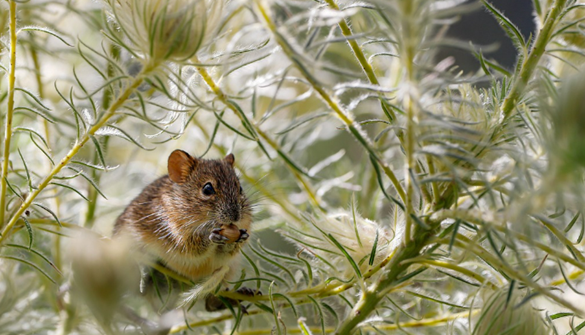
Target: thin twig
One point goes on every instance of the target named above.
(9, 112)
(75, 149)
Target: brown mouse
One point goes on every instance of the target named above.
(193, 220)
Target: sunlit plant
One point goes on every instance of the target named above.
(391, 190)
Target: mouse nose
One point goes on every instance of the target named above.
(236, 216)
(233, 213)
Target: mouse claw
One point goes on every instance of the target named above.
(243, 235)
(216, 237)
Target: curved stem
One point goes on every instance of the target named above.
(92, 193)
(347, 119)
(75, 149)
(373, 79)
(530, 63)
(223, 98)
(9, 112)
(372, 296)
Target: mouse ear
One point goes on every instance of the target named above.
(180, 166)
(230, 159)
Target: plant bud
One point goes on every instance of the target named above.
(342, 229)
(502, 316)
(163, 30)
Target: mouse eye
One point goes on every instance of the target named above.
(208, 189)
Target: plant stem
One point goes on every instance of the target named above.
(47, 133)
(341, 114)
(369, 71)
(501, 265)
(372, 296)
(9, 112)
(223, 98)
(530, 62)
(92, 194)
(359, 55)
(429, 322)
(75, 149)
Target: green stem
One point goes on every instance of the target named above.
(530, 62)
(75, 149)
(373, 295)
(9, 112)
(407, 58)
(357, 51)
(47, 133)
(373, 79)
(223, 98)
(341, 114)
(502, 266)
(92, 194)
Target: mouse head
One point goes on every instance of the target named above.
(208, 189)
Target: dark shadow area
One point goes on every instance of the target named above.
(481, 28)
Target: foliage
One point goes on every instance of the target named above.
(393, 191)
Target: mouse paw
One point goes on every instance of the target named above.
(216, 237)
(248, 291)
(243, 236)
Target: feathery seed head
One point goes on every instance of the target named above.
(357, 238)
(505, 313)
(162, 30)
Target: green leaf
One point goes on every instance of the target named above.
(71, 189)
(46, 31)
(28, 178)
(276, 264)
(30, 232)
(511, 30)
(220, 119)
(276, 321)
(355, 227)
(89, 180)
(121, 133)
(34, 97)
(213, 134)
(302, 121)
(355, 267)
(256, 270)
(567, 279)
(48, 211)
(319, 312)
(291, 304)
(575, 330)
(374, 248)
(570, 225)
(561, 315)
(381, 184)
(36, 253)
(33, 265)
(442, 302)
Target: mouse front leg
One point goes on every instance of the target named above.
(243, 236)
(216, 236)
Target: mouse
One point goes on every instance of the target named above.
(194, 220)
